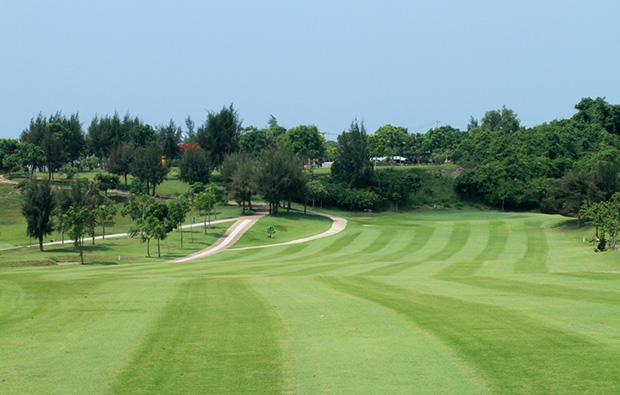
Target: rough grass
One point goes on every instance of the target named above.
(423, 302)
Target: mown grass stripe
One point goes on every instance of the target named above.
(494, 245)
(535, 259)
(217, 336)
(516, 354)
(542, 289)
(457, 239)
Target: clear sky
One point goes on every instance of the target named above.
(322, 62)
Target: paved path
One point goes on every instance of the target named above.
(243, 224)
(234, 233)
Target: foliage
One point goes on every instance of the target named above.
(388, 141)
(340, 195)
(280, 177)
(306, 142)
(351, 165)
(119, 161)
(78, 221)
(219, 135)
(147, 166)
(37, 207)
(194, 167)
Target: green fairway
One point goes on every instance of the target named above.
(425, 302)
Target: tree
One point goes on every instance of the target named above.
(504, 120)
(307, 142)
(155, 224)
(169, 138)
(352, 165)
(147, 166)
(194, 167)
(219, 135)
(177, 212)
(388, 141)
(315, 190)
(105, 181)
(105, 210)
(37, 207)
(120, 159)
(254, 141)
(78, 221)
(242, 182)
(52, 147)
(220, 195)
(280, 176)
(205, 201)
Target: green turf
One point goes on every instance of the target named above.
(424, 302)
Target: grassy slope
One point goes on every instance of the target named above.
(427, 302)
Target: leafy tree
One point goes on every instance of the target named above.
(221, 197)
(352, 165)
(194, 167)
(177, 212)
(105, 181)
(315, 190)
(254, 141)
(37, 207)
(280, 177)
(205, 201)
(104, 211)
(219, 135)
(388, 141)
(78, 221)
(306, 142)
(147, 166)
(29, 156)
(504, 120)
(154, 225)
(239, 171)
(120, 159)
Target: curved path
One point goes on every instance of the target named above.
(243, 224)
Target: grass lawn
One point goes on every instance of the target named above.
(424, 302)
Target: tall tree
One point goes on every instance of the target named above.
(307, 142)
(147, 165)
(219, 135)
(120, 159)
(352, 165)
(280, 176)
(169, 138)
(37, 207)
(194, 166)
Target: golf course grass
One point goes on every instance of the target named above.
(425, 302)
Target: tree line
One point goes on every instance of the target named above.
(558, 166)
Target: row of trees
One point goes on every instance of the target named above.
(78, 209)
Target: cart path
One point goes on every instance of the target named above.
(237, 230)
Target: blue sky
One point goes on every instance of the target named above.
(406, 63)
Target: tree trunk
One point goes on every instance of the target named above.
(125, 181)
(103, 229)
(148, 248)
(181, 228)
(243, 205)
(81, 247)
(158, 249)
(40, 243)
(205, 224)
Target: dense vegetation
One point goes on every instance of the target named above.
(557, 167)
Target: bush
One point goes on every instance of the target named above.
(353, 199)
